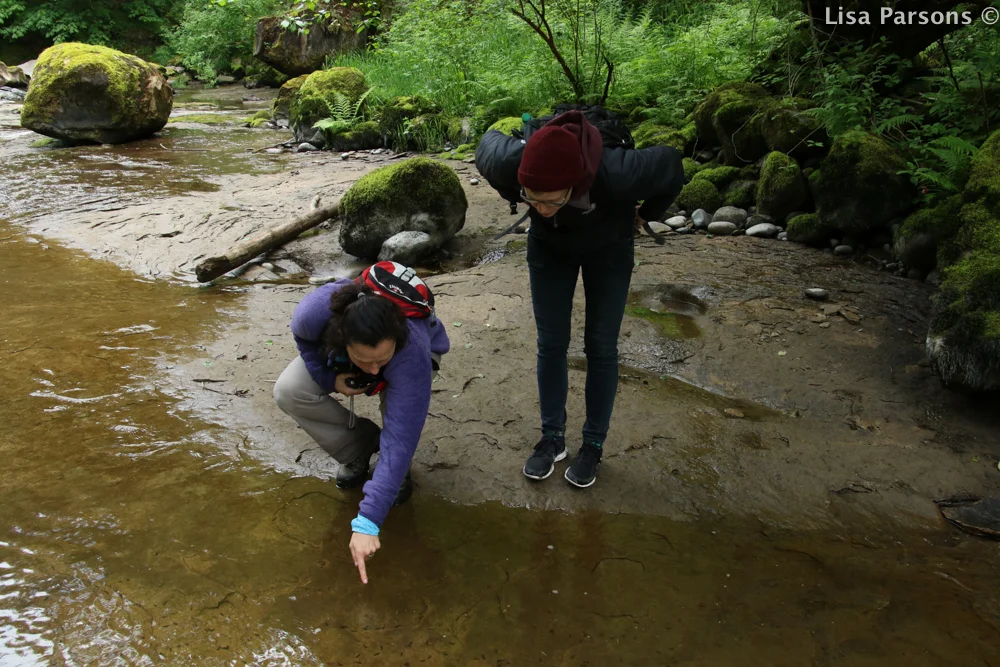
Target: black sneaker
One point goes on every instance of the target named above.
(405, 491)
(583, 471)
(550, 448)
(354, 473)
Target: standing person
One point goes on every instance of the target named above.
(374, 335)
(582, 197)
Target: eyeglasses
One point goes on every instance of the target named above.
(545, 202)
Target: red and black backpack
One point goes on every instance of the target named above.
(400, 285)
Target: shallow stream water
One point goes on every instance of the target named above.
(128, 538)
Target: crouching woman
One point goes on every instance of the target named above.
(354, 338)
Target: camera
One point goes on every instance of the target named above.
(360, 380)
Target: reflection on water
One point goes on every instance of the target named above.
(127, 538)
(177, 160)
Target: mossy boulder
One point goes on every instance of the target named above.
(787, 128)
(690, 168)
(282, 106)
(296, 52)
(457, 131)
(361, 136)
(740, 194)
(260, 119)
(738, 126)
(858, 189)
(92, 94)
(395, 116)
(720, 177)
(733, 92)
(507, 125)
(964, 339)
(320, 95)
(808, 229)
(649, 134)
(699, 194)
(917, 239)
(782, 188)
(418, 195)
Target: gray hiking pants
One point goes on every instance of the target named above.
(323, 417)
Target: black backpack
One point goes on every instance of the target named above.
(614, 134)
(614, 131)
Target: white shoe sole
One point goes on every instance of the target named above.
(558, 458)
(579, 486)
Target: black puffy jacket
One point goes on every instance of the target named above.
(626, 176)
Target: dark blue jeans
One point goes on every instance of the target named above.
(553, 271)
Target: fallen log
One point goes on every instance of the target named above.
(211, 268)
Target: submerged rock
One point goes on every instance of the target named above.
(92, 94)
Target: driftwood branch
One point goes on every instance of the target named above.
(213, 267)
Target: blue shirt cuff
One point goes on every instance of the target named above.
(364, 526)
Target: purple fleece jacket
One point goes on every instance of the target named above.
(408, 394)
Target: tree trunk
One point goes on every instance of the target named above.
(213, 267)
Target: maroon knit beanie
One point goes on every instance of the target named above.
(552, 160)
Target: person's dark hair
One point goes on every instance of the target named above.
(361, 316)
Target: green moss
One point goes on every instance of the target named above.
(671, 325)
(699, 194)
(516, 245)
(456, 131)
(740, 194)
(507, 125)
(262, 117)
(786, 129)
(282, 106)
(807, 229)
(782, 188)
(394, 115)
(44, 142)
(984, 176)
(858, 189)
(76, 67)
(207, 119)
(738, 128)
(361, 136)
(460, 153)
(418, 183)
(651, 134)
(720, 177)
(940, 221)
(727, 93)
(690, 168)
(318, 94)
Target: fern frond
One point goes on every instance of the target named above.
(898, 121)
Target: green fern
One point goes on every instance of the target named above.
(897, 122)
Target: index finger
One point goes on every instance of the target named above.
(361, 569)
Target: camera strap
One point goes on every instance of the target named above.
(353, 418)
